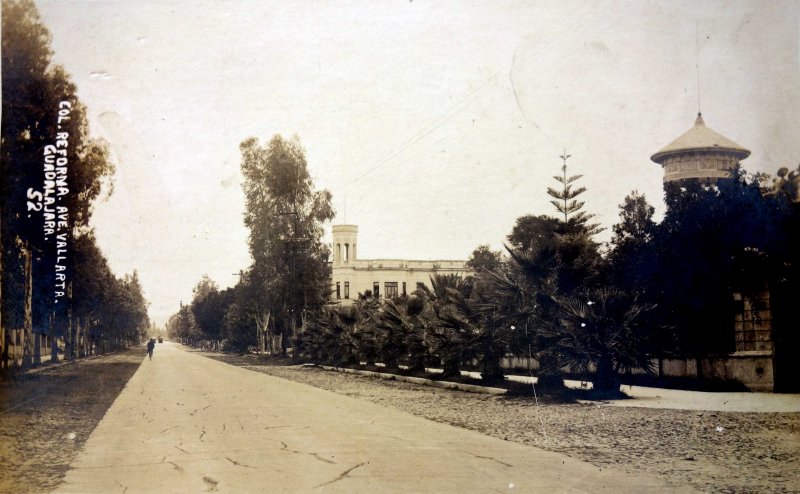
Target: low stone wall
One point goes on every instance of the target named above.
(752, 369)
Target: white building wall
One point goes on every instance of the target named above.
(361, 275)
(351, 276)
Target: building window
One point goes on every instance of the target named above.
(346, 289)
(753, 323)
(338, 290)
(391, 289)
(376, 289)
(346, 252)
(404, 288)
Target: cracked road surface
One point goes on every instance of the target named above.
(185, 423)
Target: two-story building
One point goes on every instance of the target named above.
(384, 278)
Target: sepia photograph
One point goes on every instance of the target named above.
(400, 246)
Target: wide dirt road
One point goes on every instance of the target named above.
(185, 423)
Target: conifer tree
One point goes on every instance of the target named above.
(575, 221)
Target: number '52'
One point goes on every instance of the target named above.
(36, 196)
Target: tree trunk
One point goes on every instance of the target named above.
(451, 367)
(53, 349)
(262, 326)
(27, 337)
(6, 341)
(416, 363)
(37, 349)
(606, 378)
(73, 335)
(491, 370)
(53, 339)
(549, 378)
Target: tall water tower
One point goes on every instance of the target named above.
(700, 154)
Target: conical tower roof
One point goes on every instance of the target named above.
(700, 138)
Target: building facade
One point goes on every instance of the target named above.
(383, 278)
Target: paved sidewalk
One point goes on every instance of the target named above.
(185, 423)
(679, 399)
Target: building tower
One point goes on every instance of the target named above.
(344, 243)
(699, 154)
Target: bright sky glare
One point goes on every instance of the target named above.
(434, 125)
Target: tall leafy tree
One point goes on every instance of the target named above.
(40, 108)
(285, 215)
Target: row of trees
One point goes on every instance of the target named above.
(555, 295)
(659, 289)
(95, 310)
(546, 299)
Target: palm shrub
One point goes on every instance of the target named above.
(479, 333)
(519, 298)
(454, 320)
(329, 337)
(403, 327)
(603, 330)
(360, 317)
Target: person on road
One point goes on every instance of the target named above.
(150, 346)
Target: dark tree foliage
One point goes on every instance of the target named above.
(209, 306)
(631, 259)
(28, 124)
(531, 229)
(700, 246)
(483, 258)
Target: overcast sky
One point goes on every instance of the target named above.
(434, 125)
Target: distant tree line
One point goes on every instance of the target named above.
(96, 311)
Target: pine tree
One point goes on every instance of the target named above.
(575, 221)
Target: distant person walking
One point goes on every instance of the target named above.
(150, 346)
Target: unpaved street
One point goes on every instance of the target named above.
(185, 423)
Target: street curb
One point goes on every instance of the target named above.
(470, 388)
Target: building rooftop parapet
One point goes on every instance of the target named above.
(404, 264)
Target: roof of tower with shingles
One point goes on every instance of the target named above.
(700, 138)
